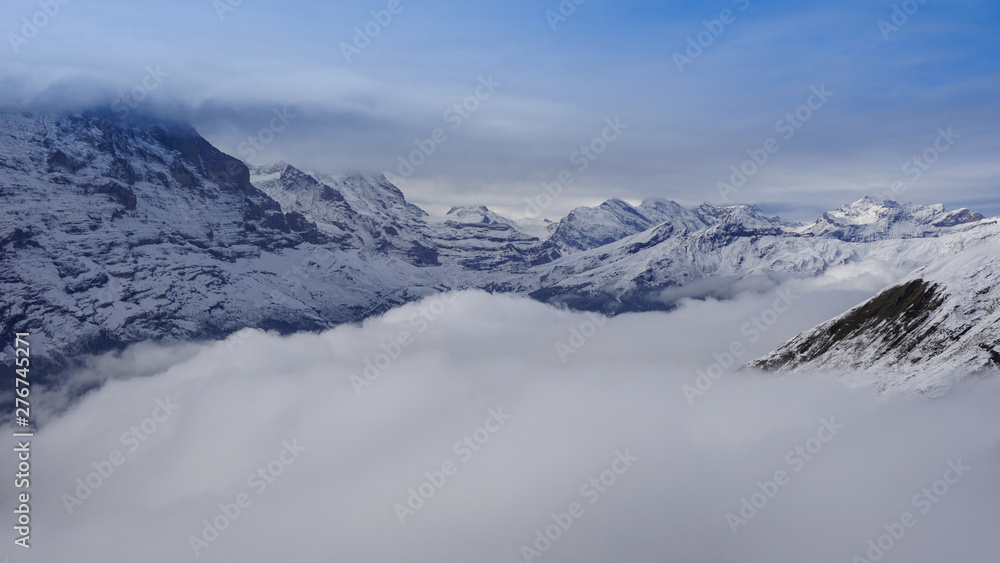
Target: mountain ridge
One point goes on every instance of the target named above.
(938, 324)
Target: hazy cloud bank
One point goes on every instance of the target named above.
(477, 437)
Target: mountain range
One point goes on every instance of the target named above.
(118, 231)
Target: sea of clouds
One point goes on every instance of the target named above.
(474, 427)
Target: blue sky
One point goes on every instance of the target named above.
(557, 87)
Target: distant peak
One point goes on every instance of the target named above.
(873, 200)
(616, 202)
(465, 210)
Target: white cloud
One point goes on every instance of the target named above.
(239, 406)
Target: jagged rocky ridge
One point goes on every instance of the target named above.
(114, 232)
(940, 323)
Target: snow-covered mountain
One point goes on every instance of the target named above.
(590, 227)
(120, 231)
(114, 232)
(873, 219)
(480, 214)
(940, 323)
(645, 271)
(372, 214)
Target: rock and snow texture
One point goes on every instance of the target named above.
(940, 323)
(645, 271)
(117, 232)
(372, 214)
(114, 232)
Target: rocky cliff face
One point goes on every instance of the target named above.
(113, 232)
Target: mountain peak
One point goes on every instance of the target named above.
(872, 218)
(478, 214)
(865, 211)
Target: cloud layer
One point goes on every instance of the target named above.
(501, 411)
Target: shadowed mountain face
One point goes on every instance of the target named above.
(113, 232)
(943, 320)
(121, 231)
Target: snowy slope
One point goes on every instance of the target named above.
(938, 324)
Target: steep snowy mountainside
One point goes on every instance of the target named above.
(374, 195)
(338, 219)
(354, 211)
(114, 232)
(370, 213)
(936, 325)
